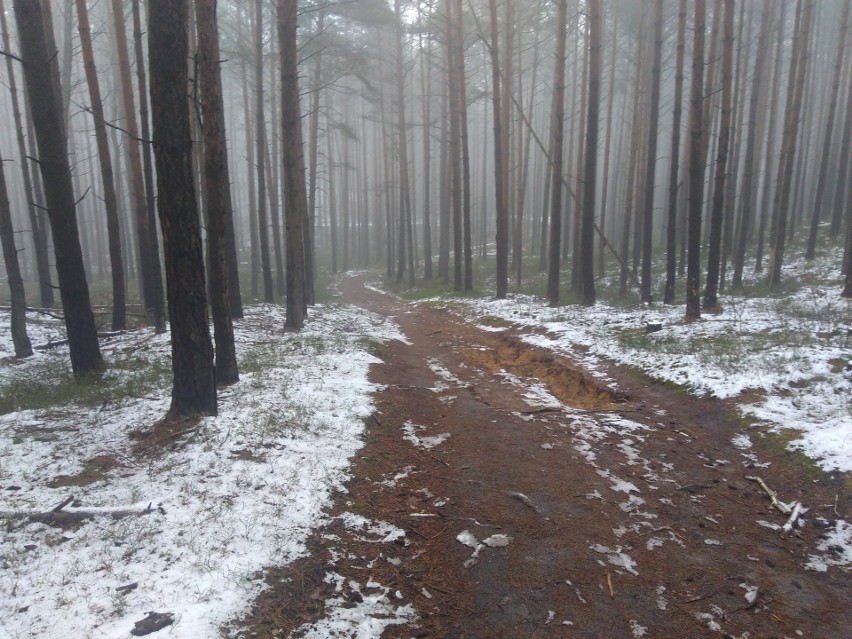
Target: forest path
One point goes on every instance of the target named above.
(605, 513)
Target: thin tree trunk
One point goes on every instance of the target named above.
(445, 169)
(146, 252)
(260, 145)
(454, 158)
(608, 142)
(313, 146)
(20, 339)
(148, 170)
(844, 164)
(714, 254)
(296, 208)
(502, 212)
(426, 99)
(587, 230)
(751, 172)
(41, 74)
(798, 68)
(107, 177)
(218, 182)
(557, 124)
(674, 168)
(37, 225)
(651, 157)
(465, 153)
(770, 141)
(696, 167)
(817, 214)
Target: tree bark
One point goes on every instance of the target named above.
(770, 142)
(714, 254)
(751, 171)
(194, 383)
(146, 244)
(260, 145)
(38, 228)
(218, 183)
(148, 169)
(20, 339)
(817, 213)
(798, 67)
(107, 178)
(502, 210)
(608, 143)
(651, 157)
(461, 84)
(844, 163)
(296, 208)
(674, 167)
(313, 147)
(696, 167)
(557, 124)
(41, 74)
(587, 229)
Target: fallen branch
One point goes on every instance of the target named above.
(60, 517)
(780, 505)
(794, 515)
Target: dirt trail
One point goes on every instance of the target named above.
(628, 510)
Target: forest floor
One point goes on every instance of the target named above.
(504, 491)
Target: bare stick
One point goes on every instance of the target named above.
(780, 505)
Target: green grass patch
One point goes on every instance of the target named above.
(53, 385)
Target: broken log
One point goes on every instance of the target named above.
(59, 517)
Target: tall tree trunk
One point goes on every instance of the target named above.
(844, 164)
(260, 145)
(147, 251)
(218, 183)
(41, 74)
(461, 83)
(426, 98)
(296, 207)
(38, 227)
(674, 167)
(796, 86)
(405, 246)
(608, 143)
(20, 339)
(825, 161)
(714, 253)
(273, 179)
(587, 230)
(557, 124)
(313, 146)
(696, 166)
(500, 150)
(770, 142)
(445, 171)
(454, 149)
(194, 378)
(148, 169)
(751, 171)
(651, 157)
(105, 159)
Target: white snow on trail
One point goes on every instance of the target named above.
(242, 492)
(786, 358)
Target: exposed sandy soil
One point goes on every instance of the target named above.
(628, 508)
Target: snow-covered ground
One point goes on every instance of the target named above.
(242, 492)
(787, 360)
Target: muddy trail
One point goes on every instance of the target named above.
(537, 501)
